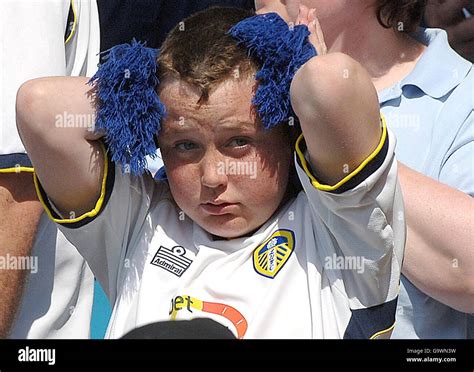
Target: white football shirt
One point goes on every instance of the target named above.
(326, 265)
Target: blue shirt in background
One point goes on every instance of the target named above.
(431, 114)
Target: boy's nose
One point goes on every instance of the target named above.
(213, 172)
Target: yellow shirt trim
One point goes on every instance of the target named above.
(98, 206)
(375, 335)
(73, 31)
(346, 179)
(17, 170)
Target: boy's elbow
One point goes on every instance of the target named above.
(325, 81)
(329, 70)
(30, 99)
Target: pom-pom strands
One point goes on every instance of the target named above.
(128, 109)
(281, 51)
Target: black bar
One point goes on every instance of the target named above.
(315, 355)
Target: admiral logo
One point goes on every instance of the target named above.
(172, 260)
(269, 257)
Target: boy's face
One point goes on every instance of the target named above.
(225, 170)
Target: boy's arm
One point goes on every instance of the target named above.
(337, 105)
(101, 208)
(346, 166)
(52, 118)
(334, 99)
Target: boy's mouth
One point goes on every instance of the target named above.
(218, 208)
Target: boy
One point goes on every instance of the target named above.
(226, 237)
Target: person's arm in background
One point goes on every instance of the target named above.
(71, 50)
(439, 256)
(19, 217)
(448, 14)
(20, 210)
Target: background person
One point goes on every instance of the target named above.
(425, 92)
(40, 38)
(456, 17)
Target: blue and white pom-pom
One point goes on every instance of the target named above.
(281, 50)
(128, 109)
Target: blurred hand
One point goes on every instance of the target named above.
(308, 18)
(448, 14)
(286, 9)
(294, 13)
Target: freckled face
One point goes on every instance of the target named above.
(225, 171)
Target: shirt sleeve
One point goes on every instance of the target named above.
(104, 235)
(38, 29)
(457, 169)
(33, 46)
(82, 40)
(364, 218)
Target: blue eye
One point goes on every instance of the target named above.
(186, 146)
(239, 142)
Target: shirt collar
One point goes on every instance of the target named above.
(439, 70)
